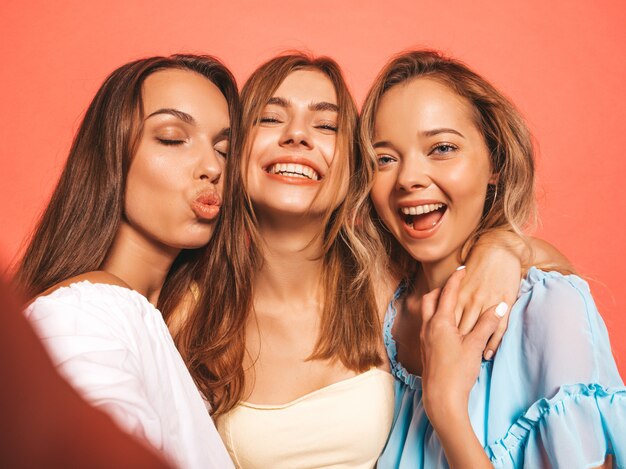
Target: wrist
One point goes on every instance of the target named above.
(449, 424)
(462, 448)
(445, 409)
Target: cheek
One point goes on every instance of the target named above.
(468, 189)
(258, 151)
(377, 194)
(327, 146)
(252, 176)
(468, 179)
(154, 189)
(264, 140)
(381, 192)
(158, 176)
(342, 190)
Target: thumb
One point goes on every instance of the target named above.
(429, 304)
(449, 297)
(487, 325)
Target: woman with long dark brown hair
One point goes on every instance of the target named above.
(127, 227)
(444, 138)
(286, 339)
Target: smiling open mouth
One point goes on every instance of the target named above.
(422, 217)
(294, 170)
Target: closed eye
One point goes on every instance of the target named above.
(170, 142)
(269, 120)
(327, 127)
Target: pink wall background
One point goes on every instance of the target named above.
(561, 61)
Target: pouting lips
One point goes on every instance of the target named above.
(294, 170)
(207, 205)
(423, 217)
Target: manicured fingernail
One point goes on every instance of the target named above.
(461, 267)
(501, 309)
(488, 354)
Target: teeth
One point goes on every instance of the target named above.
(421, 209)
(294, 170)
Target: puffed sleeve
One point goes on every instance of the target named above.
(564, 394)
(94, 347)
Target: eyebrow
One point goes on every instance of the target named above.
(321, 106)
(383, 143)
(183, 116)
(425, 133)
(223, 135)
(324, 106)
(282, 102)
(443, 130)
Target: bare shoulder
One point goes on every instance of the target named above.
(96, 276)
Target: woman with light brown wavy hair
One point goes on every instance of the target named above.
(274, 337)
(285, 340)
(454, 161)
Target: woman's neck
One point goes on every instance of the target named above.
(139, 261)
(292, 262)
(435, 274)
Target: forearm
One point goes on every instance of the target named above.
(460, 444)
(530, 251)
(451, 364)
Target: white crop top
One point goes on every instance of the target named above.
(343, 425)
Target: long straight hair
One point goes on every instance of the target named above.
(79, 224)
(213, 339)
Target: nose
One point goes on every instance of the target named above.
(210, 165)
(413, 174)
(296, 135)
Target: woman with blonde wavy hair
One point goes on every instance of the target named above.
(442, 137)
(285, 340)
